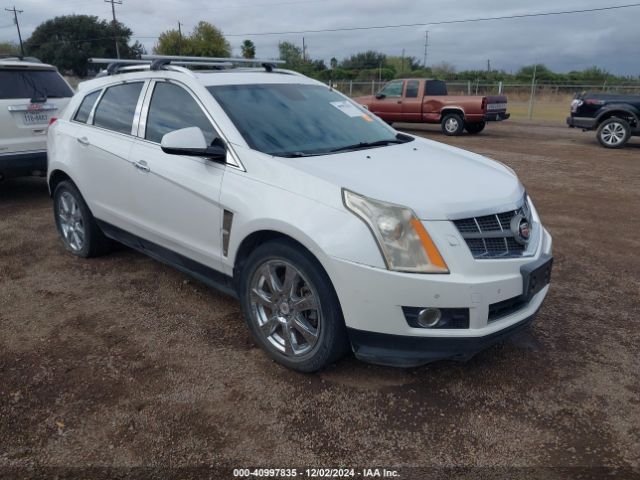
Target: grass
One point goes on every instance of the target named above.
(546, 111)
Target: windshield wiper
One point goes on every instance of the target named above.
(378, 143)
(293, 154)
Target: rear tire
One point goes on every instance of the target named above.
(77, 227)
(452, 124)
(291, 308)
(614, 132)
(475, 128)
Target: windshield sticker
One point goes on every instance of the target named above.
(348, 108)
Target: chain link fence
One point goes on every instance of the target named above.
(526, 101)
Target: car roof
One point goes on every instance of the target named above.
(16, 63)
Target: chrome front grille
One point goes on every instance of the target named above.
(491, 236)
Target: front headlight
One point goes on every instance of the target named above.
(405, 244)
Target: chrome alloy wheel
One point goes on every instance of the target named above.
(71, 221)
(613, 133)
(451, 125)
(285, 307)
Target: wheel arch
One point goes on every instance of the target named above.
(452, 109)
(620, 111)
(55, 177)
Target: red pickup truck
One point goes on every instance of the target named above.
(419, 100)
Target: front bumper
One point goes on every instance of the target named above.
(581, 122)
(372, 301)
(405, 351)
(23, 164)
(496, 116)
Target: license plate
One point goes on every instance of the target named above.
(34, 118)
(536, 276)
(497, 106)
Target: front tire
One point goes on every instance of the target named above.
(76, 225)
(291, 307)
(452, 124)
(475, 128)
(614, 133)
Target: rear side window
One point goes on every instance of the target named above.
(435, 87)
(117, 107)
(82, 115)
(412, 88)
(173, 108)
(28, 83)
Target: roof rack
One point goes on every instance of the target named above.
(174, 62)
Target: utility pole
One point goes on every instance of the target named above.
(533, 90)
(179, 38)
(304, 51)
(426, 45)
(488, 65)
(113, 11)
(402, 62)
(15, 19)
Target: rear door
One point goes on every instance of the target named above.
(102, 128)
(412, 101)
(389, 106)
(177, 198)
(29, 97)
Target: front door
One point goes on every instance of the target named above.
(177, 204)
(389, 105)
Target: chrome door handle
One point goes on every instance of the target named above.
(83, 141)
(142, 166)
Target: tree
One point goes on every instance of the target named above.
(443, 70)
(68, 41)
(334, 62)
(9, 48)
(364, 60)
(291, 54)
(204, 41)
(248, 49)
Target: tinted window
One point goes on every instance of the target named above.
(82, 115)
(117, 107)
(412, 88)
(393, 89)
(435, 87)
(294, 119)
(172, 108)
(23, 83)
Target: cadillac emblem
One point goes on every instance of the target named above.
(521, 229)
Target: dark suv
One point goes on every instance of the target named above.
(615, 117)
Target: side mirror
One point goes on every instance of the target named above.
(191, 142)
(380, 95)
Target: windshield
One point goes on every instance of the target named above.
(26, 83)
(298, 120)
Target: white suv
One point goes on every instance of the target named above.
(31, 93)
(334, 230)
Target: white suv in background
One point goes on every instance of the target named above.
(31, 93)
(334, 230)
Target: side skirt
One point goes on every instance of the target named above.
(202, 273)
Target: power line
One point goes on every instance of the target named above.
(444, 22)
(15, 19)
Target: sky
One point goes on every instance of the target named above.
(568, 42)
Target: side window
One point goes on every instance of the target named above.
(435, 88)
(82, 115)
(412, 88)
(393, 89)
(117, 107)
(173, 108)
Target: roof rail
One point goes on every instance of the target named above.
(233, 60)
(115, 65)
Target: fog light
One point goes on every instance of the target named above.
(429, 317)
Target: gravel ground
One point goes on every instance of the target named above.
(123, 362)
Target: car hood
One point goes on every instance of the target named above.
(437, 181)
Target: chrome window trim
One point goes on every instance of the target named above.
(104, 90)
(232, 157)
(89, 118)
(95, 105)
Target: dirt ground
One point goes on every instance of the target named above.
(123, 362)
